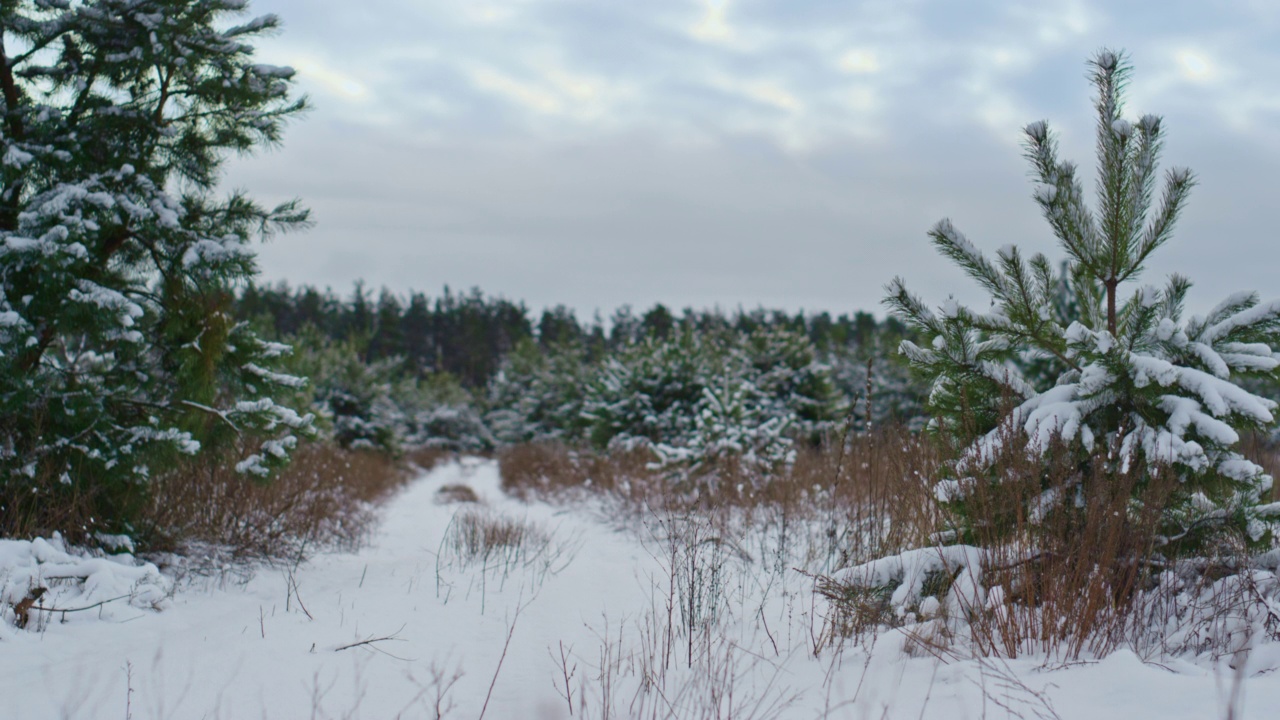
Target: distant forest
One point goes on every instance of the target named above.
(473, 372)
(467, 334)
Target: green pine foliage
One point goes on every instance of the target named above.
(792, 382)
(1078, 353)
(649, 392)
(539, 393)
(118, 347)
(657, 378)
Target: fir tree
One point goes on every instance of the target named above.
(117, 256)
(1081, 356)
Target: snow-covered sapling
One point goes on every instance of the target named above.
(1079, 354)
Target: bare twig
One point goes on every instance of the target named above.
(78, 609)
(511, 630)
(567, 673)
(291, 587)
(371, 640)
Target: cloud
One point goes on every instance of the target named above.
(713, 24)
(317, 76)
(526, 94)
(700, 151)
(860, 62)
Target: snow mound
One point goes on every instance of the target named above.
(74, 578)
(909, 572)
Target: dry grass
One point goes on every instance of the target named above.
(456, 493)
(835, 506)
(478, 536)
(876, 482)
(1086, 577)
(423, 459)
(482, 548)
(1068, 581)
(40, 506)
(323, 498)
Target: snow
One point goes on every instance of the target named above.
(75, 579)
(283, 379)
(229, 646)
(908, 572)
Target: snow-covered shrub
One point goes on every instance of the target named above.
(438, 413)
(701, 400)
(371, 405)
(649, 391)
(450, 427)
(74, 577)
(353, 398)
(792, 385)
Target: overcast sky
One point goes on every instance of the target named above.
(740, 152)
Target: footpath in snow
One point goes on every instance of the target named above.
(406, 627)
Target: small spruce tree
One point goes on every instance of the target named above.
(1080, 354)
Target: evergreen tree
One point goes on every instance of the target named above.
(658, 322)
(350, 394)
(1079, 360)
(558, 327)
(648, 393)
(388, 333)
(784, 369)
(359, 320)
(117, 256)
(419, 346)
(734, 425)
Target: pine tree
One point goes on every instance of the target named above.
(117, 256)
(538, 393)
(734, 425)
(649, 391)
(387, 339)
(1082, 357)
(783, 366)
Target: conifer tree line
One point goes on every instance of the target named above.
(471, 371)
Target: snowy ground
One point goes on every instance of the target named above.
(226, 648)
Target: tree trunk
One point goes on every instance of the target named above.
(1111, 286)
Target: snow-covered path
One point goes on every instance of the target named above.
(249, 650)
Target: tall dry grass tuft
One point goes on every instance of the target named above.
(554, 471)
(873, 490)
(852, 499)
(1072, 550)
